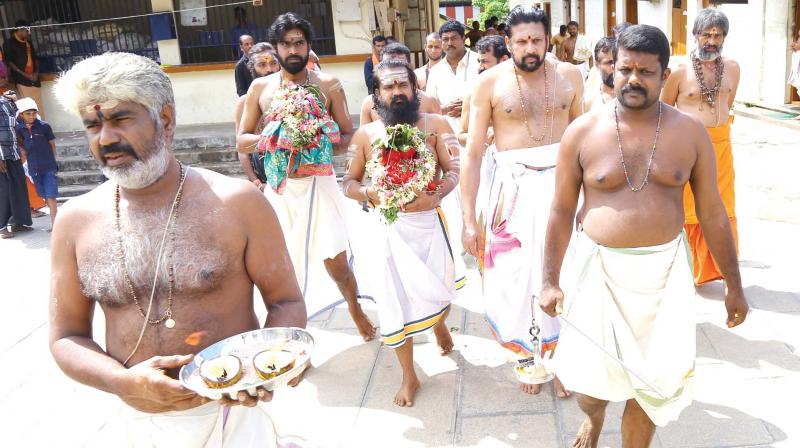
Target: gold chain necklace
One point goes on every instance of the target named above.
(652, 152)
(547, 108)
(169, 322)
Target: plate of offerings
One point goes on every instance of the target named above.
(267, 357)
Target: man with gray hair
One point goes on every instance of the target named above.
(704, 86)
(170, 254)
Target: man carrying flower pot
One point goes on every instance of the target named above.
(406, 155)
(298, 163)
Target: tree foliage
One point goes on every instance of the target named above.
(491, 8)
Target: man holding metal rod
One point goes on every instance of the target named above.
(629, 332)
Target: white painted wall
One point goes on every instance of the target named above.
(595, 15)
(658, 14)
(353, 37)
(208, 97)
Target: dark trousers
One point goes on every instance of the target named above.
(14, 196)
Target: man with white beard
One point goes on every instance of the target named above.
(704, 86)
(170, 254)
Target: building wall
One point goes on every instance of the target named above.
(352, 36)
(206, 97)
(658, 14)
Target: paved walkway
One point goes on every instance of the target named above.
(748, 379)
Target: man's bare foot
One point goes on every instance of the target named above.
(405, 396)
(561, 392)
(365, 326)
(443, 338)
(587, 436)
(37, 214)
(532, 389)
(5, 233)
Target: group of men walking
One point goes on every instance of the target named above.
(576, 219)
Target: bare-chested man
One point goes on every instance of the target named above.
(427, 103)
(575, 49)
(261, 61)
(415, 247)
(433, 49)
(189, 242)
(604, 55)
(704, 87)
(529, 101)
(628, 285)
(311, 209)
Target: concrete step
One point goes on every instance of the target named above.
(189, 157)
(76, 183)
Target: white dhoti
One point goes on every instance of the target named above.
(312, 215)
(638, 304)
(451, 209)
(410, 273)
(517, 212)
(208, 426)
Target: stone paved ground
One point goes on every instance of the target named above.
(748, 379)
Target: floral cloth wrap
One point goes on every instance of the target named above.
(298, 137)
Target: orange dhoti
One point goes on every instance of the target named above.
(705, 268)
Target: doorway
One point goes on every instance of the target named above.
(632, 11)
(611, 16)
(679, 27)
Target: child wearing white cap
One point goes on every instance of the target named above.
(39, 144)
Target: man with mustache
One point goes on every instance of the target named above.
(627, 299)
(433, 49)
(427, 103)
(171, 255)
(311, 208)
(450, 81)
(604, 56)
(413, 281)
(529, 100)
(705, 87)
(576, 49)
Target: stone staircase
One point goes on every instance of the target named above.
(211, 147)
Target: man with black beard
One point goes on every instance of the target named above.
(628, 292)
(414, 279)
(311, 208)
(604, 58)
(705, 87)
(529, 100)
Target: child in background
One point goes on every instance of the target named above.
(39, 144)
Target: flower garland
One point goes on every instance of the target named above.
(299, 135)
(400, 168)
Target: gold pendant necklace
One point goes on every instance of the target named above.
(169, 322)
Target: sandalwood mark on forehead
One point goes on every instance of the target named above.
(293, 35)
(395, 76)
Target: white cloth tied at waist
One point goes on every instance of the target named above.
(205, 426)
(539, 157)
(637, 303)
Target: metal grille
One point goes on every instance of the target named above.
(217, 39)
(61, 46)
